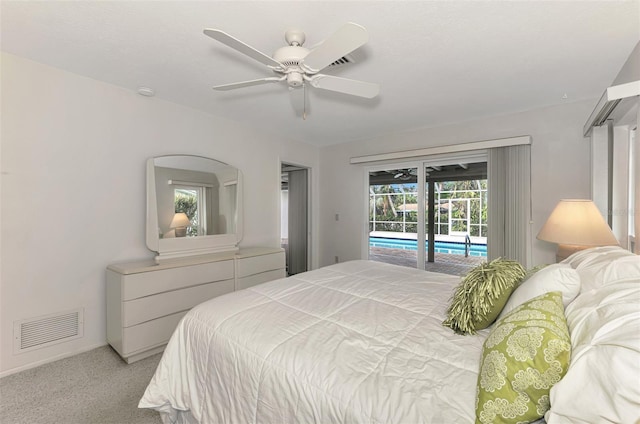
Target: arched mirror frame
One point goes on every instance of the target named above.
(183, 247)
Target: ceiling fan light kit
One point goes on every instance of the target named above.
(299, 65)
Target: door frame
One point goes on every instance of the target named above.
(421, 212)
(421, 163)
(310, 193)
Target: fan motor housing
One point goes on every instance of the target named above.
(290, 55)
(294, 79)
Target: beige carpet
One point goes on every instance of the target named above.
(89, 388)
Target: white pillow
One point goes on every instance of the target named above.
(601, 384)
(604, 269)
(584, 257)
(557, 277)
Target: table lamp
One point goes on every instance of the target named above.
(576, 224)
(180, 222)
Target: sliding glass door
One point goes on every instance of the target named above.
(456, 218)
(429, 215)
(393, 216)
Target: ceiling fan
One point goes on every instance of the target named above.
(405, 174)
(299, 66)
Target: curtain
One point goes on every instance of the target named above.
(635, 151)
(509, 203)
(297, 221)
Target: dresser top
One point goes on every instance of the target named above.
(151, 265)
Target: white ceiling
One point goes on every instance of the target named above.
(437, 62)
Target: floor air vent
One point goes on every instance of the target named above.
(36, 333)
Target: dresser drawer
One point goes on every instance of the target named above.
(263, 277)
(149, 334)
(148, 283)
(147, 300)
(257, 264)
(147, 308)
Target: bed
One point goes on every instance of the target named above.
(359, 341)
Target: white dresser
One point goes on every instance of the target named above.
(146, 300)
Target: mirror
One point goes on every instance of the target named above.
(193, 206)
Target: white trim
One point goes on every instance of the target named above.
(608, 102)
(475, 156)
(195, 184)
(311, 252)
(50, 359)
(620, 207)
(387, 166)
(463, 147)
(421, 230)
(364, 238)
(600, 168)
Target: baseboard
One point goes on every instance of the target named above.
(49, 360)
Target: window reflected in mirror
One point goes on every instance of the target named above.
(191, 201)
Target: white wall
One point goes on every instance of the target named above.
(560, 169)
(73, 190)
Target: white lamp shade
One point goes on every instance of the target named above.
(577, 222)
(180, 220)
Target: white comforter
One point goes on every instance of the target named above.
(358, 342)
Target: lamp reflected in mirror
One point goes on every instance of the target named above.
(179, 224)
(576, 224)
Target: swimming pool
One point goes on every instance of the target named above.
(440, 247)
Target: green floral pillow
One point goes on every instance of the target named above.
(526, 353)
(482, 294)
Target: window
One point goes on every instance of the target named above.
(614, 176)
(191, 201)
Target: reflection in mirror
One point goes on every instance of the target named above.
(191, 197)
(201, 188)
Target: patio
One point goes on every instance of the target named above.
(443, 262)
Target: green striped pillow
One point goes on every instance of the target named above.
(482, 294)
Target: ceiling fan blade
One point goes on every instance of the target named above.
(368, 90)
(298, 97)
(342, 42)
(242, 84)
(243, 48)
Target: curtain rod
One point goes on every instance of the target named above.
(453, 148)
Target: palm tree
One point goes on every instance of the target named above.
(384, 204)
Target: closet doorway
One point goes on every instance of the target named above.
(294, 216)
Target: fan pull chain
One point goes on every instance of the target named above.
(304, 98)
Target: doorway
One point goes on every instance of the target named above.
(393, 216)
(456, 216)
(430, 215)
(294, 216)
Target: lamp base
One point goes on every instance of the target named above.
(181, 232)
(566, 250)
